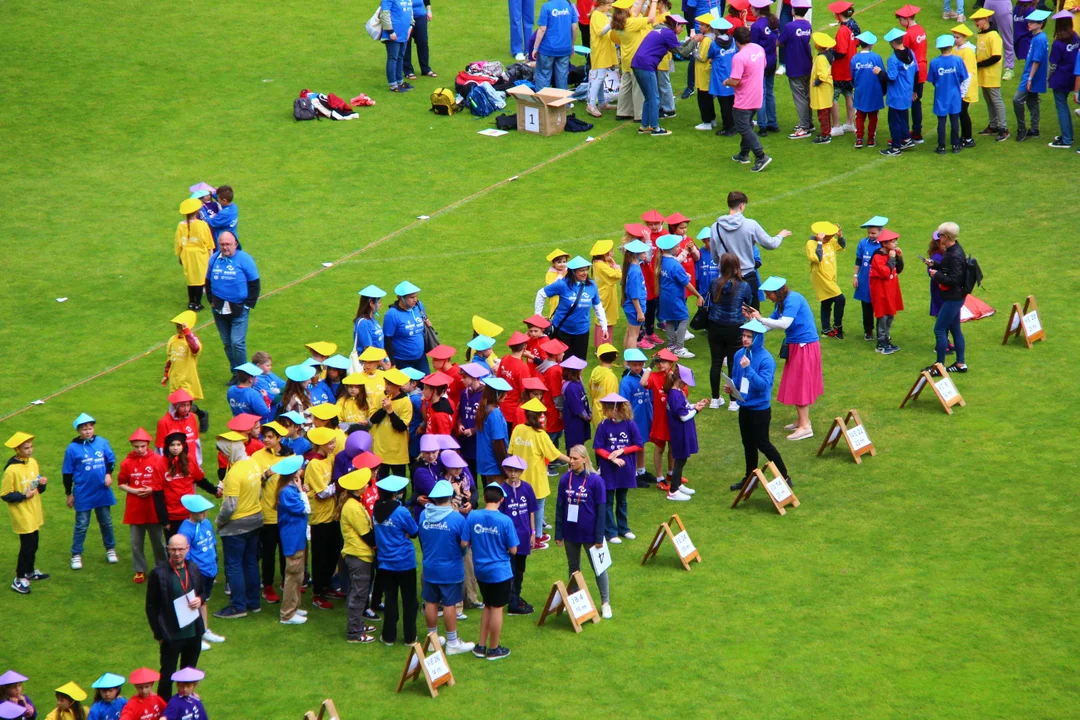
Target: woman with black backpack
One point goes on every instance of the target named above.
(949, 274)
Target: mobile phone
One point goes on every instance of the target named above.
(922, 258)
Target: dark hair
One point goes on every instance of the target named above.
(774, 22)
(532, 419)
(627, 261)
(569, 375)
(294, 390)
(730, 271)
(618, 19)
(493, 494)
(799, 11)
(178, 464)
(384, 506)
(741, 35)
(735, 199)
(781, 296)
(488, 399)
(609, 356)
(933, 247)
(1063, 30)
(366, 308)
(225, 192)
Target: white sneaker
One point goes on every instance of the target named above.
(76, 562)
(630, 536)
(110, 555)
(733, 406)
(204, 646)
(781, 70)
(716, 403)
(442, 640)
(837, 131)
(213, 637)
(294, 620)
(678, 497)
(615, 541)
(605, 611)
(462, 616)
(690, 335)
(520, 57)
(686, 490)
(302, 613)
(849, 128)
(704, 126)
(684, 353)
(457, 647)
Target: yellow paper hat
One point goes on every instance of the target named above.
(18, 439)
(601, 247)
(396, 377)
(605, 348)
(320, 436)
(191, 205)
(324, 411)
(188, 317)
(355, 480)
(485, 327)
(73, 691)
(232, 436)
(534, 405)
(325, 349)
(823, 41)
(353, 379)
(557, 253)
(372, 354)
(276, 427)
(824, 227)
(961, 30)
(623, 4)
(704, 19)
(981, 13)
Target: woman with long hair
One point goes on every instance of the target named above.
(367, 332)
(182, 474)
(729, 295)
(296, 396)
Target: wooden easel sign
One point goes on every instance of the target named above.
(430, 661)
(853, 431)
(684, 546)
(579, 605)
(327, 710)
(1025, 323)
(777, 489)
(944, 389)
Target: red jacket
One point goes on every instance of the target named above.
(915, 40)
(189, 425)
(514, 371)
(552, 417)
(438, 418)
(885, 284)
(845, 49)
(139, 472)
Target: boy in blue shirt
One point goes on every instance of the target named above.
(202, 550)
(444, 536)
(863, 254)
(866, 69)
(900, 70)
(268, 382)
(556, 35)
(494, 539)
(87, 471)
(721, 52)
(1033, 80)
(950, 79)
(227, 218)
(243, 397)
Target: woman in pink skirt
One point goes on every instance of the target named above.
(801, 383)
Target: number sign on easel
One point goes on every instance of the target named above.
(430, 661)
(1025, 323)
(777, 489)
(579, 605)
(853, 431)
(684, 546)
(944, 389)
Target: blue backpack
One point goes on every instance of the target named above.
(480, 102)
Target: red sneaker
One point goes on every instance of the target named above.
(655, 339)
(322, 603)
(645, 344)
(539, 545)
(663, 485)
(269, 595)
(544, 538)
(139, 578)
(336, 594)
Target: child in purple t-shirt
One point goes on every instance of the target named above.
(520, 506)
(682, 428)
(617, 444)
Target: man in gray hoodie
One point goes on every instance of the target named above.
(733, 233)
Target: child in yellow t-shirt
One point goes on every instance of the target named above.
(966, 52)
(702, 73)
(602, 380)
(821, 249)
(558, 259)
(821, 86)
(21, 487)
(352, 402)
(604, 59)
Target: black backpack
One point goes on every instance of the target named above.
(302, 109)
(972, 275)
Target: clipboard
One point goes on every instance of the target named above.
(184, 614)
(725, 380)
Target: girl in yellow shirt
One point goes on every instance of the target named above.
(325, 533)
(821, 250)
(558, 259)
(603, 75)
(608, 276)
(530, 443)
(21, 489)
(631, 28)
(966, 51)
(352, 402)
(602, 380)
(193, 244)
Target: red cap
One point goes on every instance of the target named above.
(840, 6)
(533, 383)
(437, 379)
(554, 347)
(143, 676)
(676, 218)
(518, 338)
(537, 321)
(441, 352)
(180, 396)
(367, 460)
(634, 230)
(652, 216)
(908, 11)
(887, 235)
(142, 435)
(243, 422)
(666, 354)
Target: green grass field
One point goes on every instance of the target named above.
(936, 580)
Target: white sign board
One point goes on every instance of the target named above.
(532, 119)
(601, 558)
(857, 437)
(580, 605)
(919, 385)
(683, 544)
(1031, 323)
(1015, 323)
(436, 665)
(946, 388)
(835, 433)
(779, 489)
(555, 602)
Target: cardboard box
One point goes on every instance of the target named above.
(544, 112)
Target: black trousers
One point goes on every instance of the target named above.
(28, 545)
(754, 429)
(386, 470)
(376, 583)
(916, 110)
(518, 563)
(727, 114)
(174, 527)
(755, 285)
(705, 105)
(403, 582)
(578, 344)
(325, 547)
(186, 652)
(270, 545)
(651, 308)
(194, 294)
(724, 342)
(867, 318)
(833, 308)
(677, 474)
(965, 121)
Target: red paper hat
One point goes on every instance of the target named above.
(887, 235)
(441, 352)
(840, 6)
(634, 230)
(533, 383)
(652, 216)
(739, 5)
(143, 676)
(676, 218)
(518, 338)
(180, 396)
(538, 321)
(142, 435)
(437, 379)
(666, 354)
(367, 460)
(554, 347)
(243, 422)
(908, 11)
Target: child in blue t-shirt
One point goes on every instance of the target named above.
(202, 550)
(866, 75)
(87, 472)
(556, 35)
(721, 52)
(900, 69)
(1033, 80)
(444, 536)
(107, 701)
(494, 539)
(950, 79)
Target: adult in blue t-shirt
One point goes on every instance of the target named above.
(232, 285)
(578, 295)
(403, 329)
(950, 79)
(556, 35)
(87, 471)
(1033, 80)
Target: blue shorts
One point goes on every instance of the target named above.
(447, 594)
(206, 585)
(631, 316)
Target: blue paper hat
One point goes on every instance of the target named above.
(497, 384)
(754, 326)
(581, 50)
(442, 489)
(108, 680)
(404, 288)
(945, 41)
(773, 283)
(412, 373)
(635, 246)
(577, 263)
(667, 242)
(299, 373)
(894, 34)
(721, 23)
(634, 355)
(293, 416)
(338, 362)
(372, 291)
(199, 194)
(250, 368)
(82, 419)
(866, 37)
(311, 362)
(706, 232)
(497, 485)
(1038, 16)
(481, 343)
(197, 503)
(392, 483)
(288, 465)
(876, 221)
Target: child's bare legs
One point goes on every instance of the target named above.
(631, 337)
(658, 459)
(491, 623)
(431, 616)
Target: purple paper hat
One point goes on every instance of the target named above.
(686, 375)
(188, 674)
(1063, 15)
(357, 442)
(10, 710)
(429, 443)
(11, 677)
(450, 459)
(574, 363)
(513, 461)
(475, 370)
(202, 186)
(613, 398)
(447, 442)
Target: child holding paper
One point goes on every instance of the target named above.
(617, 444)
(580, 517)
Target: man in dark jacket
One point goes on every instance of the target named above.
(166, 583)
(949, 275)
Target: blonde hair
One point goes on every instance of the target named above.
(581, 451)
(949, 228)
(618, 412)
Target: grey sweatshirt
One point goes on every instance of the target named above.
(737, 235)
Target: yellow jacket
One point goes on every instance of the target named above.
(26, 515)
(823, 272)
(193, 245)
(821, 95)
(602, 381)
(607, 279)
(243, 481)
(703, 66)
(630, 39)
(603, 46)
(183, 367)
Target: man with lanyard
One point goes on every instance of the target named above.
(735, 234)
(168, 582)
(232, 285)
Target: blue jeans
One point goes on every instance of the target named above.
(395, 62)
(616, 506)
(521, 22)
(663, 84)
(233, 331)
(1061, 104)
(538, 516)
(82, 524)
(546, 66)
(945, 6)
(242, 569)
(898, 127)
(785, 17)
(766, 115)
(650, 110)
(948, 321)
(420, 37)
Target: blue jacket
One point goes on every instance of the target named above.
(85, 466)
(901, 81)
(396, 551)
(759, 375)
(419, 8)
(863, 253)
(721, 56)
(868, 91)
(292, 520)
(728, 311)
(228, 218)
(247, 400)
(202, 546)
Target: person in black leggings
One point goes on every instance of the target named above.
(729, 293)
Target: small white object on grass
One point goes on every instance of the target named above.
(37, 402)
(589, 139)
(513, 179)
(423, 217)
(327, 264)
(61, 299)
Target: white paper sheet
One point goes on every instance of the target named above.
(1032, 324)
(857, 437)
(779, 489)
(725, 380)
(571, 513)
(579, 604)
(435, 665)
(683, 544)
(946, 388)
(601, 558)
(184, 614)
(492, 132)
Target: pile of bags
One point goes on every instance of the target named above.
(313, 106)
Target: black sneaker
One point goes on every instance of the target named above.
(520, 609)
(230, 613)
(822, 140)
(198, 307)
(479, 651)
(957, 148)
(988, 131)
(880, 348)
(498, 653)
(890, 152)
(1002, 135)
(21, 586)
(968, 143)
(939, 150)
(204, 421)
(1033, 133)
(762, 132)
(740, 158)
(839, 334)
(737, 486)
(624, 117)
(917, 138)
(191, 306)
(725, 133)
(37, 575)
(1058, 143)
(871, 141)
(955, 368)
(687, 93)
(773, 128)
(908, 144)
(1021, 134)
(868, 336)
(667, 114)
(660, 132)
(889, 349)
(369, 614)
(761, 163)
